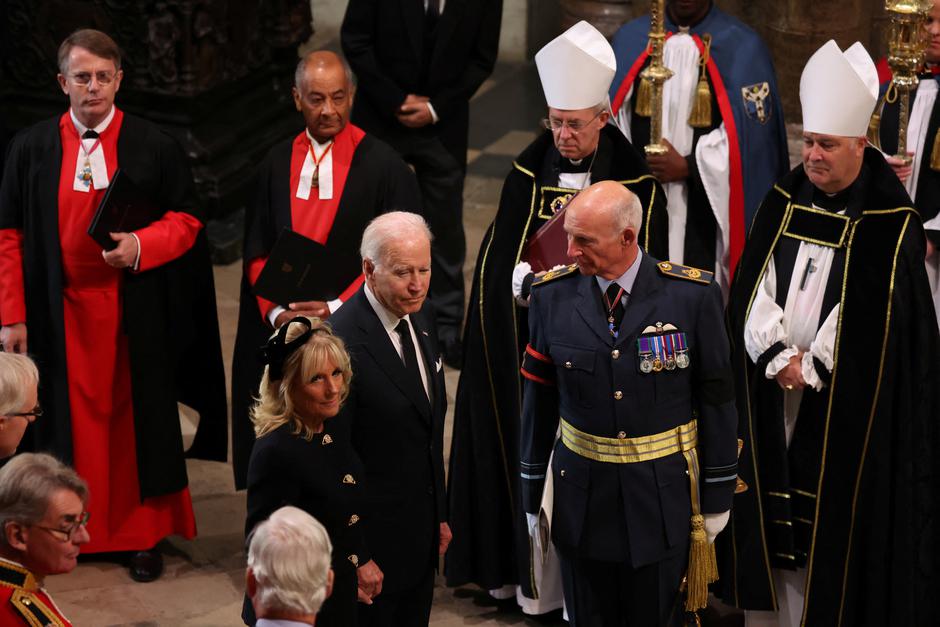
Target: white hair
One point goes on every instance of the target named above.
(289, 555)
(628, 214)
(388, 228)
(18, 373)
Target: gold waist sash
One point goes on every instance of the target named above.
(630, 450)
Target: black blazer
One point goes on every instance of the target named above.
(399, 437)
(321, 477)
(383, 40)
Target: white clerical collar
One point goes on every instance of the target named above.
(625, 280)
(318, 148)
(388, 319)
(81, 128)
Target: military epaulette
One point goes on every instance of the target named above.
(34, 611)
(551, 275)
(688, 273)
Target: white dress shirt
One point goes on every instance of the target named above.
(99, 169)
(389, 321)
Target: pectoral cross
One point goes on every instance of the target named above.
(808, 270)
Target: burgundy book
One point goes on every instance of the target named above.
(548, 247)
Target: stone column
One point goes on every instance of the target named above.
(794, 29)
(606, 15)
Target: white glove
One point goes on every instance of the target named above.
(519, 273)
(714, 523)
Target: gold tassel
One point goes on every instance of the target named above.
(935, 153)
(701, 114)
(703, 567)
(644, 98)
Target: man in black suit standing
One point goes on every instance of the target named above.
(418, 63)
(395, 416)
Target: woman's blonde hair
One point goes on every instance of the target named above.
(275, 405)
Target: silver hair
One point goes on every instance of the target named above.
(18, 373)
(388, 228)
(27, 483)
(302, 64)
(628, 214)
(602, 106)
(289, 555)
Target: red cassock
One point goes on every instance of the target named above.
(313, 217)
(98, 366)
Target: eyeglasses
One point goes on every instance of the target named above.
(574, 126)
(36, 411)
(84, 78)
(68, 532)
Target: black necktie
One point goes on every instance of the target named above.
(90, 134)
(434, 9)
(408, 354)
(613, 307)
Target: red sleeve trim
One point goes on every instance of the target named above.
(538, 355)
(532, 377)
(352, 289)
(253, 269)
(12, 292)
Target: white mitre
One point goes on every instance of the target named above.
(838, 91)
(576, 68)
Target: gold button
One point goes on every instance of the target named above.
(568, 365)
(622, 435)
(353, 520)
(618, 395)
(327, 439)
(349, 479)
(562, 473)
(615, 354)
(354, 559)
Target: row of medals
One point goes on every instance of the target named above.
(659, 360)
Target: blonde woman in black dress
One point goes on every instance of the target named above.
(300, 459)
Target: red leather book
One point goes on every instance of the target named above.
(548, 247)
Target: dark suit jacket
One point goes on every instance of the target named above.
(384, 43)
(635, 512)
(400, 438)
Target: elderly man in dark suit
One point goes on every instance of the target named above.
(395, 416)
(418, 63)
(630, 356)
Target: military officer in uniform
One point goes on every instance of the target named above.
(628, 359)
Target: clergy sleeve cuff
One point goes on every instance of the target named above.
(136, 265)
(434, 118)
(776, 359)
(276, 311)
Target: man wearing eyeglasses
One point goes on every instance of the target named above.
(43, 526)
(101, 323)
(577, 148)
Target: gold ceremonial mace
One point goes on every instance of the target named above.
(907, 49)
(656, 74)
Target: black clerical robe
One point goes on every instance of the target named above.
(866, 537)
(168, 313)
(490, 545)
(377, 181)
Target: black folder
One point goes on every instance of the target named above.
(300, 269)
(123, 209)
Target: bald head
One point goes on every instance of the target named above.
(602, 224)
(323, 92)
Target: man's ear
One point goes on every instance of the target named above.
(368, 268)
(15, 535)
(329, 584)
(296, 95)
(61, 79)
(628, 237)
